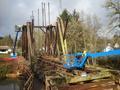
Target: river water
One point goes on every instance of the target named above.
(16, 84)
(11, 84)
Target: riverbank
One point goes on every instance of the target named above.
(11, 84)
(14, 68)
(17, 70)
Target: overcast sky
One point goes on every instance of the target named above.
(14, 12)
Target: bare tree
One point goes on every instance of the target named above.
(114, 12)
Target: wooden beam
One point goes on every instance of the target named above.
(44, 26)
(64, 33)
(24, 42)
(61, 36)
(30, 52)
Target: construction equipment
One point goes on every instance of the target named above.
(6, 54)
(17, 29)
(80, 59)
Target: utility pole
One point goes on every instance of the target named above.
(48, 13)
(60, 8)
(38, 17)
(32, 20)
(44, 14)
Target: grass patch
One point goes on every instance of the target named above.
(4, 55)
(3, 71)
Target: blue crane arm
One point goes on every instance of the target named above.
(102, 54)
(14, 46)
(99, 54)
(80, 63)
(13, 55)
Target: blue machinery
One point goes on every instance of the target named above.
(80, 59)
(17, 29)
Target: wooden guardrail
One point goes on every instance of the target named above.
(28, 83)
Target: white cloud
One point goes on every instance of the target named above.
(19, 11)
(21, 5)
(84, 5)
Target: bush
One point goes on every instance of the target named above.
(3, 71)
(110, 61)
